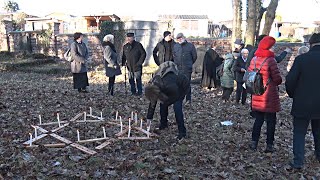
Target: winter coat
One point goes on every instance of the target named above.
(302, 85)
(110, 62)
(278, 58)
(159, 52)
(269, 101)
(79, 57)
(172, 83)
(237, 65)
(211, 61)
(134, 55)
(227, 76)
(184, 55)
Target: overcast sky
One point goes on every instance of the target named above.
(149, 9)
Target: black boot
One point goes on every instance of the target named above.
(269, 148)
(253, 145)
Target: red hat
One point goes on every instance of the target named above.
(266, 43)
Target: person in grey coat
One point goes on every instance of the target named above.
(110, 57)
(79, 63)
(184, 56)
(227, 77)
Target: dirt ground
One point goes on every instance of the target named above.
(211, 151)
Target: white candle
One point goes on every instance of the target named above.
(84, 116)
(140, 123)
(58, 119)
(117, 113)
(78, 135)
(132, 115)
(30, 142)
(136, 118)
(149, 125)
(101, 116)
(104, 132)
(35, 132)
(40, 120)
(121, 126)
(129, 123)
(90, 110)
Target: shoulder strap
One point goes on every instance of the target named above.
(262, 63)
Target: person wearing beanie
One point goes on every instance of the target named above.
(184, 55)
(268, 104)
(302, 50)
(302, 86)
(133, 57)
(79, 63)
(163, 50)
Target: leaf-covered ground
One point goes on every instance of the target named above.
(211, 151)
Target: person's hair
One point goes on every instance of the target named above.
(244, 50)
(213, 44)
(302, 50)
(77, 35)
(108, 37)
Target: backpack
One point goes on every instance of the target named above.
(253, 80)
(67, 55)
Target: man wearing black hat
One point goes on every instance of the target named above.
(133, 56)
(302, 85)
(163, 51)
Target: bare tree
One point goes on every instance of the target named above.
(237, 19)
(11, 6)
(251, 22)
(260, 11)
(270, 15)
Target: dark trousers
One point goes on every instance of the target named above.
(188, 96)
(111, 84)
(300, 128)
(135, 78)
(241, 92)
(271, 119)
(177, 107)
(226, 93)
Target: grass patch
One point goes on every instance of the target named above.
(286, 39)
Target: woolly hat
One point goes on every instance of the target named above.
(130, 34)
(166, 33)
(179, 35)
(315, 38)
(266, 43)
(302, 50)
(238, 41)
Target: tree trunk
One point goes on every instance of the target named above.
(260, 10)
(270, 15)
(251, 22)
(236, 23)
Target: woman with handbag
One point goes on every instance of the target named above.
(110, 57)
(79, 61)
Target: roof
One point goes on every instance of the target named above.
(102, 16)
(164, 16)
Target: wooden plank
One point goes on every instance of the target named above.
(91, 140)
(49, 145)
(123, 132)
(58, 128)
(60, 138)
(35, 139)
(76, 117)
(41, 129)
(52, 123)
(103, 145)
(82, 148)
(98, 117)
(89, 121)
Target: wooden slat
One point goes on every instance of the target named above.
(35, 139)
(98, 117)
(124, 131)
(52, 123)
(103, 145)
(61, 127)
(89, 121)
(135, 138)
(49, 145)
(84, 149)
(61, 138)
(76, 117)
(91, 140)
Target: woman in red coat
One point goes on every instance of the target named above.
(266, 105)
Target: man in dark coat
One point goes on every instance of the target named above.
(239, 67)
(301, 85)
(133, 56)
(169, 87)
(184, 56)
(211, 61)
(164, 50)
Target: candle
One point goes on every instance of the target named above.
(149, 124)
(104, 132)
(140, 123)
(40, 120)
(84, 116)
(121, 126)
(58, 119)
(78, 135)
(90, 110)
(101, 115)
(30, 143)
(117, 113)
(129, 123)
(35, 132)
(136, 118)
(132, 115)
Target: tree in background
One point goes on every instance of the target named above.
(270, 15)
(251, 22)
(237, 20)
(11, 6)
